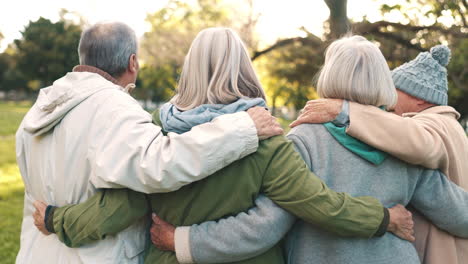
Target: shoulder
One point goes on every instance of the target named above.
(306, 134)
(271, 149)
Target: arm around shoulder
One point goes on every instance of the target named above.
(150, 162)
(416, 140)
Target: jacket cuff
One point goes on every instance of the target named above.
(182, 245)
(343, 117)
(49, 218)
(384, 224)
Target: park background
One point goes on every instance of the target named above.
(286, 40)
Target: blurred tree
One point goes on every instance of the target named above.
(173, 29)
(424, 23)
(46, 51)
(10, 77)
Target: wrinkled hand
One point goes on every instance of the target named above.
(266, 124)
(319, 111)
(162, 234)
(39, 215)
(401, 222)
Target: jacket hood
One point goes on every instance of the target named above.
(55, 101)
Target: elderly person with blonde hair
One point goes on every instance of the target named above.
(218, 79)
(354, 70)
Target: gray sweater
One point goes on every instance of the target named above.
(392, 182)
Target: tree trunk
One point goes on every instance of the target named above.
(338, 20)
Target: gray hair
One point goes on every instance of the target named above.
(356, 70)
(217, 70)
(108, 46)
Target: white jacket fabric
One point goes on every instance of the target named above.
(85, 133)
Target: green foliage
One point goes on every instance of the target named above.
(173, 29)
(10, 77)
(163, 48)
(157, 83)
(292, 70)
(47, 50)
(458, 76)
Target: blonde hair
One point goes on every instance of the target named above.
(357, 71)
(217, 70)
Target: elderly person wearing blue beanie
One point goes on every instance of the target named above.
(424, 132)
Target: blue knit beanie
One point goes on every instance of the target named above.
(425, 77)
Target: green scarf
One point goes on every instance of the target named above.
(356, 146)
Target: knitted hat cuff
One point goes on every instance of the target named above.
(418, 90)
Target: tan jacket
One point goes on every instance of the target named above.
(432, 138)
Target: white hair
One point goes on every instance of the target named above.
(357, 71)
(217, 70)
(108, 46)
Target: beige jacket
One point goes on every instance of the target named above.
(432, 138)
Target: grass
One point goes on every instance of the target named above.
(11, 185)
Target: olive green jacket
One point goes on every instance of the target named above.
(276, 170)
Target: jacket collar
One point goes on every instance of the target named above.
(87, 68)
(441, 110)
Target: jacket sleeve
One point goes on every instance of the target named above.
(235, 238)
(129, 151)
(405, 138)
(291, 185)
(106, 213)
(444, 203)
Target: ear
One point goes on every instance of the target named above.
(133, 64)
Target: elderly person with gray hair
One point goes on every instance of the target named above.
(354, 70)
(86, 132)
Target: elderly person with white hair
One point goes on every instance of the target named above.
(354, 70)
(217, 79)
(86, 132)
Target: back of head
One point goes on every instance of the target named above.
(217, 70)
(108, 46)
(426, 76)
(357, 71)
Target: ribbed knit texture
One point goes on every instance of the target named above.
(426, 76)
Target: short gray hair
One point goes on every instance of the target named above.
(356, 70)
(108, 46)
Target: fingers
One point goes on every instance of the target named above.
(295, 123)
(39, 215)
(162, 234)
(267, 126)
(401, 222)
(319, 111)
